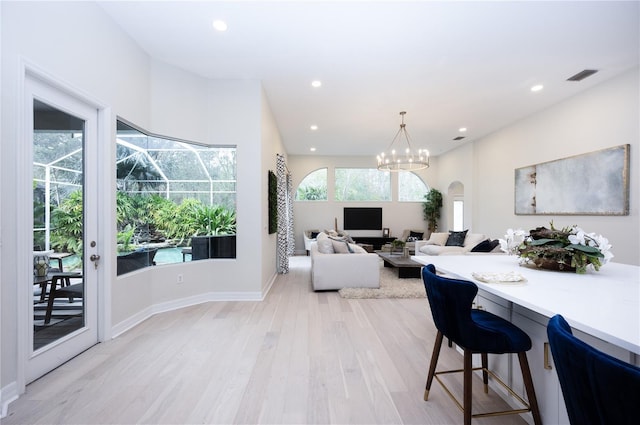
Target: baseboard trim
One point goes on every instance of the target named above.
(8, 394)
(150, 311)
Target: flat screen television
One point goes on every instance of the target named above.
(363, 218)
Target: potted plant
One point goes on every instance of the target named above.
(566, 249)
(431, 209)
(397, 244)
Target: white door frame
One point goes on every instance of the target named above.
(24, 225)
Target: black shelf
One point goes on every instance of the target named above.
(377, 242)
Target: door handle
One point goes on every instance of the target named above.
(95, 258)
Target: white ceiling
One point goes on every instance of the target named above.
(448, 64)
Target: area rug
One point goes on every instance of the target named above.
(390, 287)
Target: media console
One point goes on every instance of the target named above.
(377, 242)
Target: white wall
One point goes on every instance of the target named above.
(106, 65)
(227, 112)
(605, 116)
(450, 171)
(397, 216)
(271, 146)
(102, 64)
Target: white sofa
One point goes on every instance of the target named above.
(436, 245)
(331, 271)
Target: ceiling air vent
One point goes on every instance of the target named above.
(582, 75)
(458, 138)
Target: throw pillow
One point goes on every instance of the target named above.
(438, 239)
(415, 235)
(456, 238)
(357, 249)
(340, 246)
(325, 246)
(495, 245)
(484, 246)
(345, 236)
(314, 235)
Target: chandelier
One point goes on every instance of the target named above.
(397, 158)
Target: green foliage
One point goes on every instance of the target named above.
(124, 239)
(554, 246)
(312, 193)
(397, 243)
(313, 187)
(431, 208)
(190, 218)
(193, 218)
(67, 224)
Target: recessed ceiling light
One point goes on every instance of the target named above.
(537, 87)
(462, 129)
(219, 25)
(312, 149)
(316, 83)
(313, 127)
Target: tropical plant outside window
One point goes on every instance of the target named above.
(57, 193)
(170, 194)
(411, 188)
(313, 187)
(362, 184)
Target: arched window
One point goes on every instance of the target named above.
(313, 187)
(411, 188)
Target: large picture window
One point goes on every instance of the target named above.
(362, 184)
(175, 200)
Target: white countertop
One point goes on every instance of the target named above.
(605, 304)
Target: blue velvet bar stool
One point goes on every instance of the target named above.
(598, 389)
(475, 331)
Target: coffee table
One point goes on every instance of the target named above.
(406, 266)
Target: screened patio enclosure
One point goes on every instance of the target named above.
(174, 169)
(168, 191)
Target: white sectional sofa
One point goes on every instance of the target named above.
(333, 269)
(436, 245)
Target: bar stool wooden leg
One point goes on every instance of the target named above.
(485, 374)
(466, 385)
(434, 362)
(528, 385)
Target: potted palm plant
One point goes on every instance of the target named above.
(431, 209)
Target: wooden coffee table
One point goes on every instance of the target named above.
(406, 266)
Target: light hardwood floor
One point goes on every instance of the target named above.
(298, 357)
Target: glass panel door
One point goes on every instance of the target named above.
(63, 304)
(58, 212)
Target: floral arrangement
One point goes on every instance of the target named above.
(569, 248)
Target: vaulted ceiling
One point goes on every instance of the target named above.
(447, 64)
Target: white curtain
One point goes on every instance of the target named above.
(286, 240)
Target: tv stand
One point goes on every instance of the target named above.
(377, 242)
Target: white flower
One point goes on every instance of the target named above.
(604, 246)
(512, 241)
(578, 238)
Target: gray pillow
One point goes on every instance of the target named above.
(456, 238)
(340, 246)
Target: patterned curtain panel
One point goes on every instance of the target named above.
(286, 244)
(291, 241)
